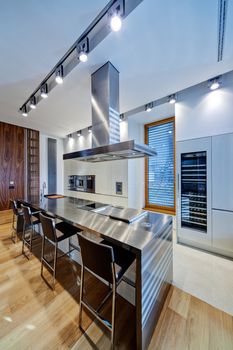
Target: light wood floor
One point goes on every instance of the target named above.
(32, 316)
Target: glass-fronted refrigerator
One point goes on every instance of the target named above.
(194, 191)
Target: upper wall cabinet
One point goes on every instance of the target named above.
(222, 172)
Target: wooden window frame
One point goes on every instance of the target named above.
(154, 207)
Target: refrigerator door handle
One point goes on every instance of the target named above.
(178, 185)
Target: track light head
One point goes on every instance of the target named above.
(172, 98)
(83, 49)
(115, 15)
(116, 22)
(59, 74)
(79, 133)
(149, 106)
(44, 90)
(69, 136)
(214, 83)
(24, 111)
(32, 103)
(90, 129)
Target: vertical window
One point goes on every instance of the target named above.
(160, 170)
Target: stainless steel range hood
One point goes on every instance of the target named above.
(106, 143)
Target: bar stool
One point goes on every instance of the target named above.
(54, 233)
(109, 262)
(30, 221)
(16, 213)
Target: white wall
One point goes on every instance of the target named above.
(44, 163)
(200, 112)
(106, 173)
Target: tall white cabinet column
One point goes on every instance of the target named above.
(222, 192)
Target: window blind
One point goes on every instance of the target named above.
(161, 168)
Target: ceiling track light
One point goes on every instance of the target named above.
(172, 98)
(115, 15)
(44, 91)
(83, 49)
(32, 103)
(69, 136)
(59, 74)
(79, 133)
(24, 111)
(90, 129)
(149, 106)
(214, 83)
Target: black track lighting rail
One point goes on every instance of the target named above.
(91, 37)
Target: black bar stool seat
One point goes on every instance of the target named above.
(65, 230)
(106, 261)
(123, 259)
(54, 233)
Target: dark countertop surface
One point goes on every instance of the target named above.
(134, 236)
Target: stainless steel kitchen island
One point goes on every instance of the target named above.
(149, 238)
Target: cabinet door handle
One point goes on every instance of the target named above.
(178, 184)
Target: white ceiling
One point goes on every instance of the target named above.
(161, 49)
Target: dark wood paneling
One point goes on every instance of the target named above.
(12, 147)
(33, 165)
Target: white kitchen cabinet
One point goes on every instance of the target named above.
(223, 230)
(222, 172)
(194, 191)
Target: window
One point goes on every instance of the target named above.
(160, 170)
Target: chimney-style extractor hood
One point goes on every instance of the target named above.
(106, 143)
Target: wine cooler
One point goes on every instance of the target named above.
(194, 190)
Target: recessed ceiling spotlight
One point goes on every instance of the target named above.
(79, 133)
(59, 75)
(89, 129)
(148, 107)
(122, 117)
(214, 83)
(32, 103)
(172, 99)
(116, 22)
(44, 91)
(83, 49)
(24, 111)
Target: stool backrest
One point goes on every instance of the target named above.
(98, 258)
(13, 206)
(48, 227)
(27, 215)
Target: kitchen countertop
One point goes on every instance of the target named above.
(134, 236)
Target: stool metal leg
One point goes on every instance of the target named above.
(81, 296)
(54, 265)
(113, 314)
(23, 237)
(42, 255)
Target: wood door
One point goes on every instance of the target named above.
(12, 163)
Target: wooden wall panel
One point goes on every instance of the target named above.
(12, 163)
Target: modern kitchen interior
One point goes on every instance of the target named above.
(116, 196)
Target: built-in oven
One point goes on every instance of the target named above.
(71, 182)
(81, 182)
(84, 183)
